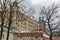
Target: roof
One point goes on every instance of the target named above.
(30, 34)
(29, 17)
(47, 38)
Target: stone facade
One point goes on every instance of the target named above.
(23, 22)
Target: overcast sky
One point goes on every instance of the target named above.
(38, 3)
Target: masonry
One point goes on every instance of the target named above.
(22, 22)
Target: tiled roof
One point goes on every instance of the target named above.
(47, 38)
(30, 34)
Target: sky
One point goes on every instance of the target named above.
(40, 3)
(37, 4)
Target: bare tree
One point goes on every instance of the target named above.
(6, 16)
(15, 3)
(51, 19)
(2, 18)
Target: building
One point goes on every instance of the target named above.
(33, 30)
(23, 22)
(20, 21)
(54, 38)
(28, 36)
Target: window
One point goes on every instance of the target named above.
(18, 16)
(25, 23)
(40, 39)
(25, 27)
(30, 25)
(40, 28)
(30, 22)
(16, 23)
(31, 38)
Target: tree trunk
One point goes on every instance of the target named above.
(50, 35)
(50, 30)
(1, 32)
(9, 28)
(7, 38)
(1, 26)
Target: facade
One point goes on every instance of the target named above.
(24, 23)
(28, 36)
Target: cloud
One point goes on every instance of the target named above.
(38, 2)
